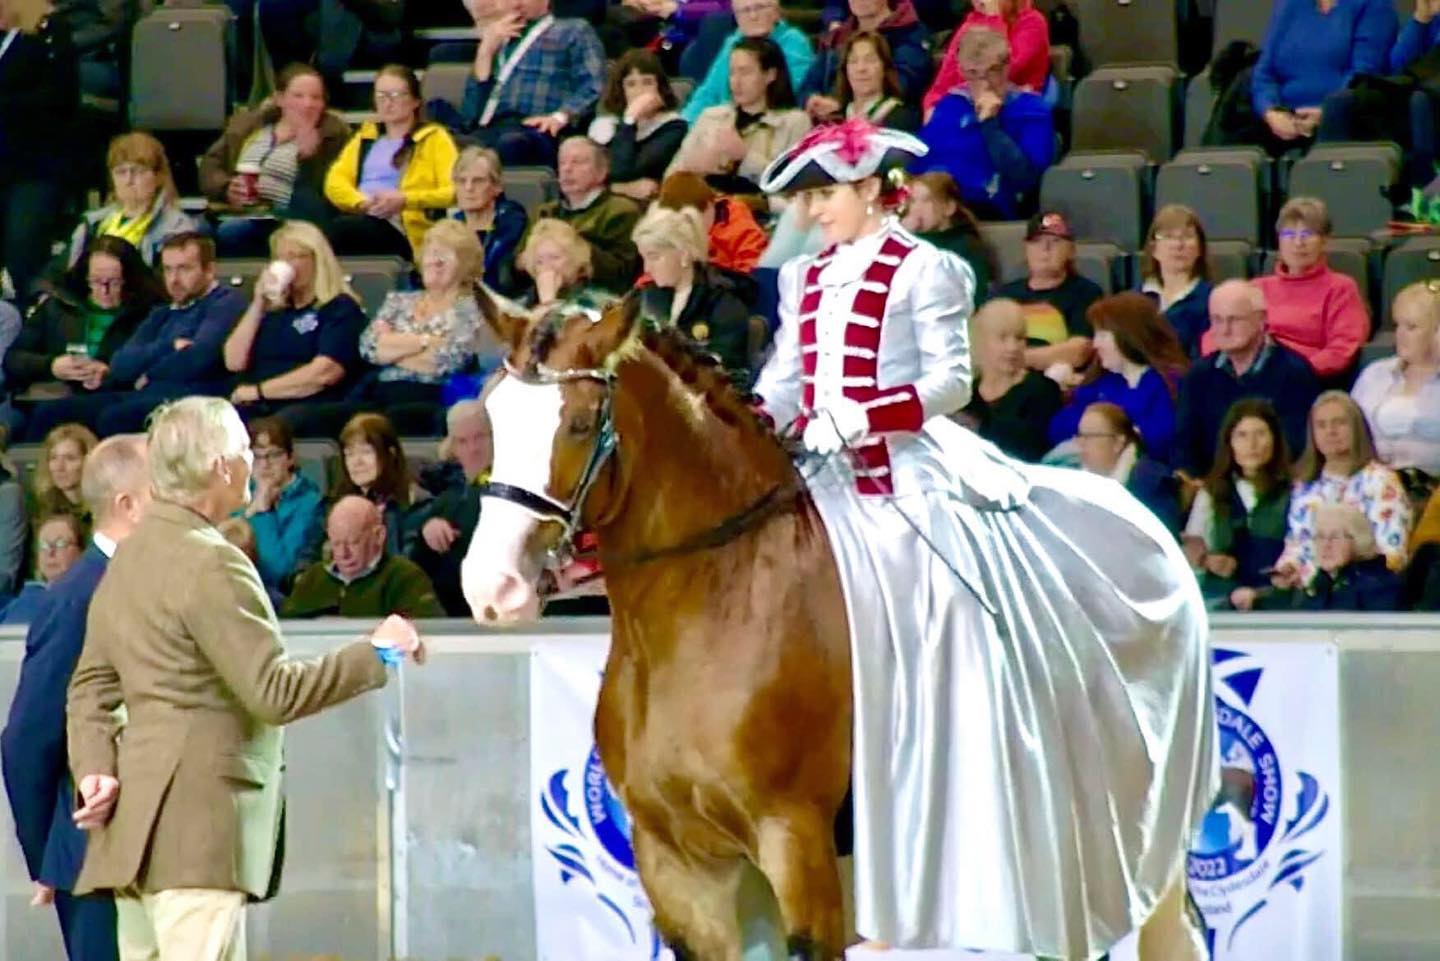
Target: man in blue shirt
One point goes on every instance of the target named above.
(994, 139)
(176, 352)
(116, 485)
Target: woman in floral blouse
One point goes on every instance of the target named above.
(1339, 467)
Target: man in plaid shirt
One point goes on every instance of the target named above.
(535, 75)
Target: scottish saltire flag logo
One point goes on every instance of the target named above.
(1258, 843)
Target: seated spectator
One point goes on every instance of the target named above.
(736, 240)
(1175, 270)
(1339, 467)
(706, 304)
(667, 26)
(1247, 362)
(421, 338)
(1311, 49)
(335, 34)
(1350, 573)
(731, 145)
(59, 542)
(1400, 395)
(39, 100)
(299, 340)
(497, 221)
(995, 139)
(1236, 529)
(605, 219)
(755, 20)
(1141, 363)
(271, 163)
(82, 320)
(55, 488)
(906, 43)
(868, 87)
(454, 513)
(14, 530)
(936, 212)
(237, 531)
(1310, 308)
(1010, 405)
(392, 180)
(1024, 28)
(175, 353)
(638, 125)
(1110, 445)
(556, 259)
(1418, 38)
(363, 578)
(535, 76)
(374, 466)
(285, 513)
(143, 207)
(1055, 298)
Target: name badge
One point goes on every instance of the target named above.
(306, 322)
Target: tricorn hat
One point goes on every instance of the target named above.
(841, 153)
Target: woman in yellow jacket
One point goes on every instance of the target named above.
(392, 180)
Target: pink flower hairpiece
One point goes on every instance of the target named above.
(852, 139)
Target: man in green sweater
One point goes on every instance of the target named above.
(361, 580)
(605, 219)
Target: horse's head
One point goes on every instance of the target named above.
(550, 415)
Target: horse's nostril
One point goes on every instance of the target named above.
(490, 614)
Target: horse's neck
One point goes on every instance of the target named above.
(688, 470)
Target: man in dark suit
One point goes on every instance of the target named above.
(454, 512)
(116, 485)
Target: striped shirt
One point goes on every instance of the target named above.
(279, 165)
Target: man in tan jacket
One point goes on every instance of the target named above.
(183, 798)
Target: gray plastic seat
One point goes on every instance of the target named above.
(1102, 195)
(1129, 31)
(1354, 180)
(531, 187)
(1414, 261)
(1224, 186)
(1127, 108)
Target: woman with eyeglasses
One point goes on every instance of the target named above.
(83, 319)
(59, 542)
(393, 179)
(1023, 27)
(1315, 311)
(1174, 271)
(143, 206)
(286, 512)
(1350, 572)
(1109, 444)
(1339, 466)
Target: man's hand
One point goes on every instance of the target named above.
(500, 32)
(385, 204)
(439, 534)
(987, 105)
(66, 367)
(1282, 124)
(99, 793)
(1307, 120)
(42, 895)
(548, 124)
(397, 633)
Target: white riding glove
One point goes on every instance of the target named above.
(841, 423)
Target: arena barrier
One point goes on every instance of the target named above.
(414, 814)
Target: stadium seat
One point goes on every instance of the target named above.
(1230, 260)
(1104, 263)
(1225, 186)
(1200, 98)
(1127, 108)
(1354, 180)
(193, 43)
(1102, 195)
(531, 187)
(1416, 259)
(24, 457)
(445, 81)
(1007, 239)
(1129, 31)
(1382, 345)
(1243, 20)
(313, 459)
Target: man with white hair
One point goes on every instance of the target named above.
(182, 635)
(445, 536)
(115, 485)
(604, 218)
(1247, 363)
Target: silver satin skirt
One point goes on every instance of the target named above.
(1033, 726)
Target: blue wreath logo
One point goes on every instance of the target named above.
(607, 815)
(1246, 835)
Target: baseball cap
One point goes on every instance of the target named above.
(1049, 222)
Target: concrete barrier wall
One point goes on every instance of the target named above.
(429, 859)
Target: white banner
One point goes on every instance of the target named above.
(588, 902)
(1266, 871)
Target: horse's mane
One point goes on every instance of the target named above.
(704, 375)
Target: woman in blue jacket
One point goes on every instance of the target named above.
(285, 509)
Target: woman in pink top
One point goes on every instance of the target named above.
(1015, 20)
(1310, 308)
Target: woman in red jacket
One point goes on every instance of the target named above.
(1021, 24)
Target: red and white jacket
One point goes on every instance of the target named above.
(881, 321)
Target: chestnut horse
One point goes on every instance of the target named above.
(724, 718)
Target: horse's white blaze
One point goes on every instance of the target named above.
(497, 576)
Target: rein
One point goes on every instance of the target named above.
(777, 500)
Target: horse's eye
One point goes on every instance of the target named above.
(580, 425)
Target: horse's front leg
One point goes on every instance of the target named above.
(797, 855)
(695, 902)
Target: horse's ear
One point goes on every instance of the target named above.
(509, 327)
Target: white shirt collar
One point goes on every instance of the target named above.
(106, 544)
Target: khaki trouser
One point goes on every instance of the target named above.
(186, 924)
